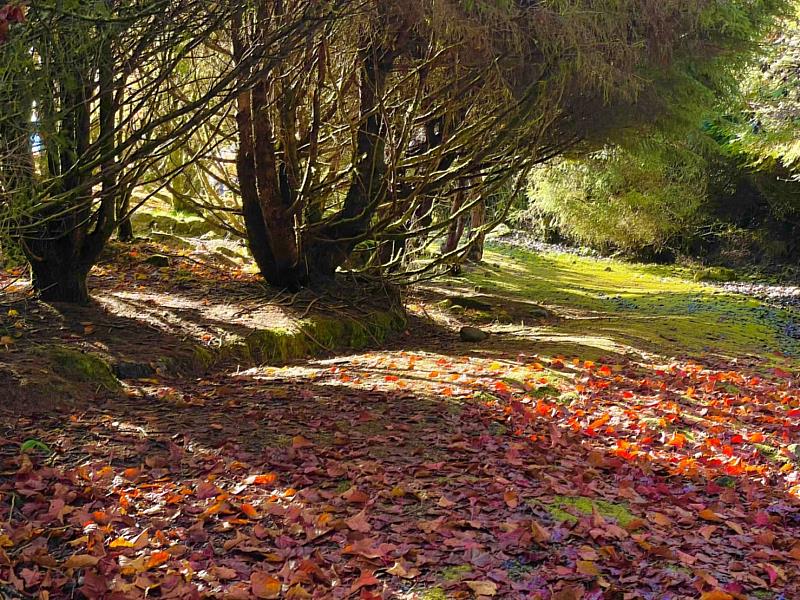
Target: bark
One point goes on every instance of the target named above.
(455, 229)
(331, 247)
(266, 204)
(60, 277)
(124, 226)
(478, 218)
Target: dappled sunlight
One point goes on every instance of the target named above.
(411, 471)
(636, 306)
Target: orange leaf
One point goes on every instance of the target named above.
(677, 440)
(709, 515)
(249, 510)
(716, 595)
(264, 585)
(512, 499)
(266, 479)
(157, 558)
(599, 422)
(299, 441)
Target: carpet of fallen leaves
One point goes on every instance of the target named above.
(427, 475)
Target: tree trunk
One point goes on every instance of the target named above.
(124, 226)
(60, 280)
(478, 219)
(456, 227)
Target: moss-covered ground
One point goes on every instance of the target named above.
(607, 306)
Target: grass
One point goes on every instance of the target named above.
(610, 307)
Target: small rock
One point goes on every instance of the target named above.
(157, 260)
(129, 370)
(472, 334)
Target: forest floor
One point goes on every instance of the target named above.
(622, 433)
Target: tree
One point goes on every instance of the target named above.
(365, 136)
(87, 95)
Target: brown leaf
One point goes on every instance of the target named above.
(587, 567)
(299, 441)
(483, 587)
(359, 522)
(570, 593)
(81, 561)
(540, 533)
(512, 499)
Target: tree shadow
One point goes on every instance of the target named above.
(353, 474)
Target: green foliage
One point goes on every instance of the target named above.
(34, 445)
(618, 199)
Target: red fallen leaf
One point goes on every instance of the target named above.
(355, 496)
(359, 522)
(762, 519)
(264, 585)
(366, 578)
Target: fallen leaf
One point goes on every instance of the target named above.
(483, 587)
(81, 561)
(265, 586)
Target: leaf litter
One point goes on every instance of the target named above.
(402, 474)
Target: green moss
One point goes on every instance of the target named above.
(716, 274)
(563, 507)
(456, 573)
(631, 309)
(74, 365)
(568, 398)
(436, 593)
